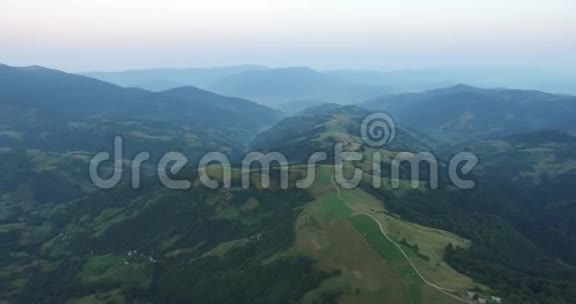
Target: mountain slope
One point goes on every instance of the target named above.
(63, 93)
(53, 123)
(70, 95)
(245, 110)
(143, 244)
(539, 169)
(518, 217)
(268, 245)
(463, 112)
(320, 128)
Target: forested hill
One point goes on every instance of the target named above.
(76, 96)
(461, 113)
(519, 217)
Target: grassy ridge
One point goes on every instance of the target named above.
(372, 268)
(391, 256)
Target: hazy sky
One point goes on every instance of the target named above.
(83, 35)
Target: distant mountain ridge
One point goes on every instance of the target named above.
(462, 111)
(268, 86)
(162, 79)
(297, 106)
(78, 96)
(273, 86)
(554, 80)
(66, 93)
(280, 85)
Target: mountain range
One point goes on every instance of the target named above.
(273, 86)
(462, 112)
(77, 96)
(165, 79)
(511, 239)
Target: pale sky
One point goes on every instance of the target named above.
(80, 35)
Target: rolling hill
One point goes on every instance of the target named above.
(517, 217)
(320, 128)
(153, 244)
(244, 110)
(63, 93)
(538, 169)
(52, 124)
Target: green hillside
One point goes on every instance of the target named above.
(320, 128)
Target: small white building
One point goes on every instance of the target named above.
(496, 300)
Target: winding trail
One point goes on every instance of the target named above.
(446, 291)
